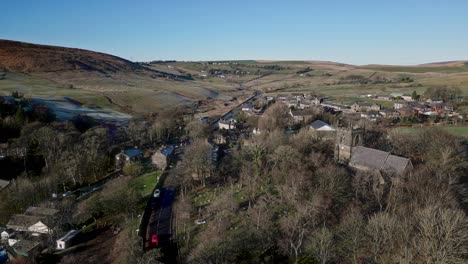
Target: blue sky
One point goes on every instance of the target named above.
(357, 32)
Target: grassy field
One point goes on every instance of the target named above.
(418, 69)
(145, 183)
(140, 94)
(454, 130)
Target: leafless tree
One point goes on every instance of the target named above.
(275, 117)
(197, 129)
(351, 234)
(197, 157)
(295, 227)
(443, 236)
(380, 232)
(322, 244)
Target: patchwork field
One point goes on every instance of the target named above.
(101, 80)
(454, 130)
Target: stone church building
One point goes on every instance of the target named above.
(349, 150)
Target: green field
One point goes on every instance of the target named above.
(454, 130)
(419, 69)
(145, 183)
(135, 94)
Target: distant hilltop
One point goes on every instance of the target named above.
(24, 57)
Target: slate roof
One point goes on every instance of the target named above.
(23, 221)
(374, 159)
(318, 124)
(167, 151)
(396, 164)
(300, 113)
(70, 235)
(23, 247)
(4, 183)
(133, 152)
(40, 211)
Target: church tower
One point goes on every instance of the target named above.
(346, 139)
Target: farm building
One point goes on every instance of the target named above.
(161, 158)
(29, 223)
(68, 239)
(128, 155)
(226, 124)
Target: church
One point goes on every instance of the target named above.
(349, 150)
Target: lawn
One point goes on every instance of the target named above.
(145, 183)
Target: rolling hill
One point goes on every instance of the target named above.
(96, 78)
(33, 58)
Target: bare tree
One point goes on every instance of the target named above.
(443, 236)
(380, 232)
(295, 228)
(198, 160)
(351, 234)
(322, 244)
(197, 129)
(275, 117)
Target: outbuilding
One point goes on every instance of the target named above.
(68, 239)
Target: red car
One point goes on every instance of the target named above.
(154, 239)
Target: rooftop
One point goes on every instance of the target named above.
(3, 183)
(167, 151)
(71, 234)
(300, 113)
(40, 211)
(24, 221)
(133, 152)
(23, 247)
(317, 124)
(375, 159)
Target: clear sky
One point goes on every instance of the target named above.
(349, 31)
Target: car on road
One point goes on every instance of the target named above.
(200, 222)
(154, 240)
(156, 193)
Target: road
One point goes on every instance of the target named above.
(158, 218)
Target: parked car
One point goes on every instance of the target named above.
(156, 193)
(200, 222)
(154, 240)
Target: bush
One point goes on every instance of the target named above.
(133, 169)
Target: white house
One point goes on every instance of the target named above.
(67, 240)
(40, 228)
(5, 235)
(256, 131)
(29, 223)
(226, 124)
(407, 98)
(319, 125)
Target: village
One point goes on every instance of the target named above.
(31, 233)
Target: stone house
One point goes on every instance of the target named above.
(364, 107)
(300, 115)
(161, 158)
(128, 155)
